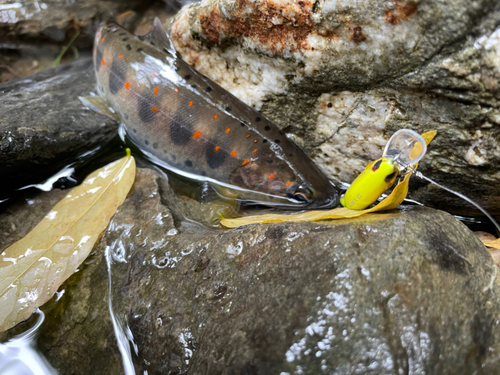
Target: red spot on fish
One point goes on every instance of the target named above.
(248, 135)
(176, 90)
(197, 134)
(215, 118)
(255, 150)
(288, 183)
(233, 153)
(154, 109)
(120, 56)
(157, 90)
(255, 141)
(217, 148)
(102, 61)
(190, 104)
(155, 75)
(127, 85)
(271, 176)
(126, 60)
(228, 129)
(102, 40)
(114, 43)
(246, 161)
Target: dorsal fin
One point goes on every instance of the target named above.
(159, 38)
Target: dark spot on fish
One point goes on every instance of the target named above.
(134, 130)
(243, 124)
(329, 105)
(129, 47)
(214, 158)
(264, 140)
(126, 116)
(144, 105)
(139, 49)
(179, 133)
(146, 142)
(98, 58)
(277, 141)
(117, 75)
(141, 38)
(173, 157)
(281, 132)
(269, 161)
(152, 43)
(187, 76)
(155, 145)
(164, 151)
(193, 86)
(229, 109)
(267, 127)
(258, 119)
(208, 89)
(188, 163)
(125, 39)
(290, 155)
(121, 34)
(203, 173)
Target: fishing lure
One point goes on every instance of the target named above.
(401, 154)
(187, 123)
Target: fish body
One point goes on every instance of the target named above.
(377, 177)
(189, 124)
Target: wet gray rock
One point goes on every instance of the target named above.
(58, 20)
(340, 79)
(44, 126)
(410, 291)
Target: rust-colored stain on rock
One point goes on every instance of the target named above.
(357, 35)
(274, 25)
(402, 12)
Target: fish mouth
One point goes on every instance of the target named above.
(325, 199)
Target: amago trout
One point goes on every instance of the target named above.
(192, 126)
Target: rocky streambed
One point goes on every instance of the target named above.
(165, 291)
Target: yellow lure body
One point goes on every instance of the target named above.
(377, 177)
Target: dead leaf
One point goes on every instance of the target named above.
(390, 202)
(495, 243)
(33, 268)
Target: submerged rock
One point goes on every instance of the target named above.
(409, 291)
(340, 79)
(44, 126)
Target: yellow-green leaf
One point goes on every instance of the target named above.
(33, 268)
(390, 202)
(493, 243)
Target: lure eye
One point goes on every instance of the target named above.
(390, 177)
(376, 165)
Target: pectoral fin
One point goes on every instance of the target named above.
(99, 105)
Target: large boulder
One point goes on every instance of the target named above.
(409, 291)
(340, 79)
(44, 126)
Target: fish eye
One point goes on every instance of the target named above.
(390, 176)
(301, 193)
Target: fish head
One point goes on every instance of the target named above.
(274, 181)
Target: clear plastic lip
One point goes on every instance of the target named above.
(406, 148)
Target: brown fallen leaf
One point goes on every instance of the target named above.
(390, 202)
(33, 268)
(494, 244)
